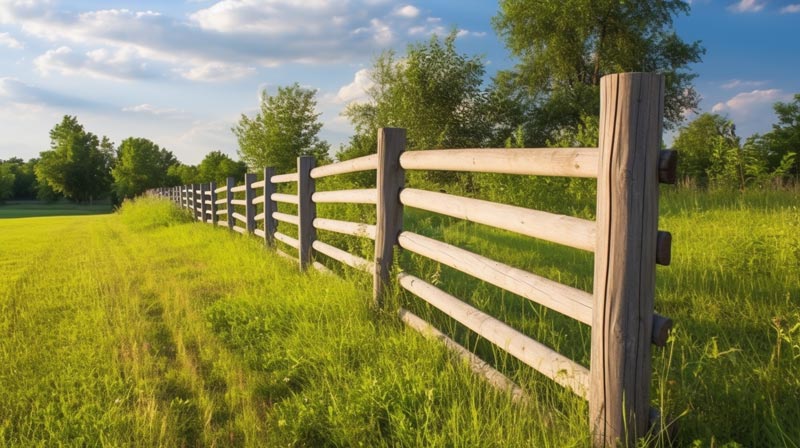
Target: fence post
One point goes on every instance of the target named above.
(203, 208)
(631, 112)
(269, 206)
(214, 218)
(306, 209)
(250, 208)
(194, 201)
(390, 180)
(230, 183)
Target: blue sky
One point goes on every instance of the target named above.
(181, 72)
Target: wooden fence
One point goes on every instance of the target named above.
(628, 166)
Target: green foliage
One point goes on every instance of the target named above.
(7, 178)
(566, 47)
(216, 167)
(25, 185)
(141, 164)
(698, 140)
(146, 212)
(286, 127)
(777, 146)
(180, 174)
(78, 164)
(432, 91)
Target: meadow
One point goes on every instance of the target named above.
(142, 328)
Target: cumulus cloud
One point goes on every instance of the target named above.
(119, 64)
(356, 91)
(740, 83)
(791, 9)
(224, 40)
(9, 41)
(746, 6)
(746, 104)
(409, 11)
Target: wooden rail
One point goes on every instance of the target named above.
(625, 240)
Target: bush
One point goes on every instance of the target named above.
(146, 213)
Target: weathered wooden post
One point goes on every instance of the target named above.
(203, 205)
(230, 183)
(306, 209)
(250, 208)
(390, 180)
(214, 218)
(631, 112)
(270, 207)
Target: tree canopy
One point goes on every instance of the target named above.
(217, 167)
(141, 164)
(286, 126)
(78, 163)
(565, 47)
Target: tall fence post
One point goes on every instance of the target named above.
(270, 206)
(631, 112)
(213, 187)
(306, 209)
(390, 180)
(194, 201)
(203, 205)
(250, 208)
(229, 184)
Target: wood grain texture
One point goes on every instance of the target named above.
(631, 111)
(345, 227)
(572, 162)
(566, 300)
(306, 210)
(342, 256)
(545, 360)
(391, 180)
(364, 163)
(360, 196)
(561, 229)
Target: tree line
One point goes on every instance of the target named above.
(443, 100)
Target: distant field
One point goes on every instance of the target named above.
(142, 329)
(28, 209)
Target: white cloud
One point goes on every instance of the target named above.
(739, 83)
(224, 40)
(791, 9)
(19, 93)
(9, 41)
(747, 6)
(123, 63)
(747, 104)
(356, 90)
(408, 11)
(160, 112)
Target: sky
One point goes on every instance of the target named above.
(181, 72)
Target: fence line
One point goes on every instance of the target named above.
(625, 239)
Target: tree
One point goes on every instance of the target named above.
(141, 164)
(77, 164)
(217, 167)
(707, 136)
(180, 174)
(781, 146)
(287, 126)
(565, 47)
(432, 91)
(6, 181)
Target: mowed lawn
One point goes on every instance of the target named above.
(27, 209)
(141, 330)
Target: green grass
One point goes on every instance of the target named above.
(140, 328)
(29, 209)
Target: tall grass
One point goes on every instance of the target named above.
(144, 329)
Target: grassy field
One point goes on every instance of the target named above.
(139, 328)
(28, 209)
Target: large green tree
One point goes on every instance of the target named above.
(6, 181)
(432, 91)
(141, 164)
(699, 140)
(78, 162)
(217, 167)
(781, 146)
(286, 126)
(565, 47)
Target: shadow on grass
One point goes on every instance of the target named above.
(33, 209)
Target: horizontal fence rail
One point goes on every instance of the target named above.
(624, 239)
